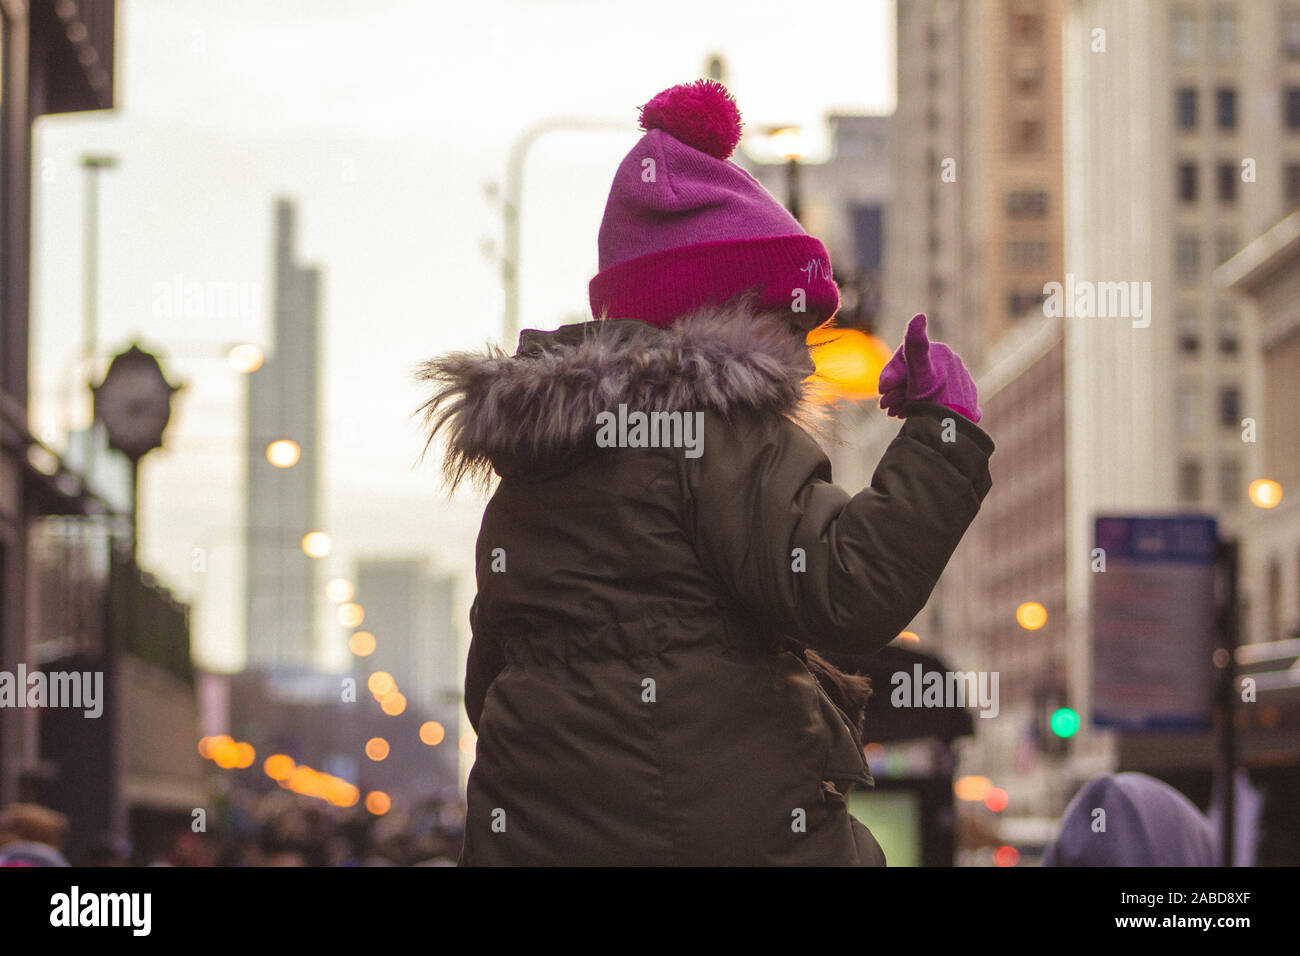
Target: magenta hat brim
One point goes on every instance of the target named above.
(659, 287)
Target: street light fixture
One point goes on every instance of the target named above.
(283, 453)
(787, 142)
(339, 590)
(513, 201)
(1031, 615)
(1265, 493)
(245, 358)
(316, 544)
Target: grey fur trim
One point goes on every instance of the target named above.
(542, 403)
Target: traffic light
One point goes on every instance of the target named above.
(1055, 722)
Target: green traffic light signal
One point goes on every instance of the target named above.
(1065, 722)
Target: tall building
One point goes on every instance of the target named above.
(846, 202)
(1267, 272)
(1121, 151)
(978, 182)
(281, 504)
(410, 612)
(977, 175)
(54, 58)
(1219, 126)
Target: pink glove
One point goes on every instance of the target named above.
(925, 371)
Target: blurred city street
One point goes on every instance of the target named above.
(246, 623)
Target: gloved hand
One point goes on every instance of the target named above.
(924, 371)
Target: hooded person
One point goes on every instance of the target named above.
(665, 554)
(1131, 819)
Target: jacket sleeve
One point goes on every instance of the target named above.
(841, 573)
(485, 662)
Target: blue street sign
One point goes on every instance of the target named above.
(1153, 625)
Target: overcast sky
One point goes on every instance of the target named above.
(383, 120)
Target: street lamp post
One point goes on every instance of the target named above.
(787, 141)
(92, 164)
(134, 404)
(514, 201)
(792, 185)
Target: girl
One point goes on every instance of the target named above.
(648, 594)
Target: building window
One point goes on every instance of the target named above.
(1027, 135)
(1229, 344)
(1292, 104)
(1189, 481)
(1026, 78)
(1188, 257)
(1189, 334)
(1225, 34)
(1020, 303)
(1185, 107)
(1189, 411)
(1229, 335)
(1230, 483)
(1225, 247)
(1026, 204)
(1227, 182)
(1024, 255)
(1229, 407)
(1025, 27)
(1293, 185)
(1289, 31)
(1187, 182)
(1184, 34)
(1225, 107)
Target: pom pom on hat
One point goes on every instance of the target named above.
(703, 115)
(685, 227)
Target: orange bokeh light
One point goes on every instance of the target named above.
(972, 788)
(849, 363)
(432, 733)
(1265, 493)
(278, 766)
(362, 643)
(1031, 615)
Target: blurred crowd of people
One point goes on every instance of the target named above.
(1125, 819)
(272, 829)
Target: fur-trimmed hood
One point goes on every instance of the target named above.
(537, 409)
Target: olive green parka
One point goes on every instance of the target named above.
(634, 677)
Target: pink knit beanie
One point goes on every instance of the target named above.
(686, 227)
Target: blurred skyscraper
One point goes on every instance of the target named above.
(976, 231)
(281, 504)
(410, 612)
(1101, 143)
(846, 201)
